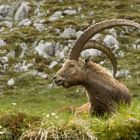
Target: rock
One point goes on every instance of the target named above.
(42, 75)
(60, 54)
(56, 16)
(22, 66)
(90, 53)
(120, 54)
(52, 64)
(25, 22)
(68, 32)
(39, 13)
(23, 11)
(11, 82)
(111, 41)
(39, 26)
(96, 37)
(112, 32)
(70, 12)
(24, 49)
(123, 73)
(79, 33)
(2, 43)
(136, 46)
(4, 60)
(11, 54)
(8, 24)
(4, 10)
(45, 49)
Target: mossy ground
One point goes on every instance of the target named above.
(32, 96)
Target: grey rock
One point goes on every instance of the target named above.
(23, 11)
(25, 22)
(90, 53)
(120, 54)
(39, 26)
(23, 66)
(39, 13)
(4, 10)
(60, 54)
(11, 82)
(123, 73)
(2, 43)
(4, 59)
(11, 54)
(96, 37)
(45, 49)
(70, 12)
(112, 32)
(57, 15)
(52, 64)
(68, 32)
(8, 24)
(24, 49)
(111, 41)
(79, 33)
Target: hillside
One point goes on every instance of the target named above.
(35, 37)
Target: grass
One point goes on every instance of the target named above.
(33, 108)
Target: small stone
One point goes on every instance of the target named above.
(70, 12)
(79, 33)
(52, 64)
(56, 16)
(42, 75)
(112, 32)
(96, 37)
(45, 49)
(90, 53)
(40, 27)
(23, 11)
(2, 43)
(11, 54)
(4, 10)
(25, 22)
(4, 60)
(123, 73)
(9, 24)
(68, 32)
(11, 82)
(111, 41)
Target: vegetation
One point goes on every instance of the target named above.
(34, 108)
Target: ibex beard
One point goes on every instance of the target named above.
(104, 92)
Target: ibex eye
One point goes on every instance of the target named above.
(71, 65)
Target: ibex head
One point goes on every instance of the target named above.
(73, 72)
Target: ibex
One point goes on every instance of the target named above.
(104, 92)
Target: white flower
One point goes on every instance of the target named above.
(53, 114)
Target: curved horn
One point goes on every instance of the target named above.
(93, 44)
(91, 31)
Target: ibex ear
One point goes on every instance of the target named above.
(87, 60)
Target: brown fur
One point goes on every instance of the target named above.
(104, 92)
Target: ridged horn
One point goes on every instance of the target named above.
(93, 44)
(91, 31)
